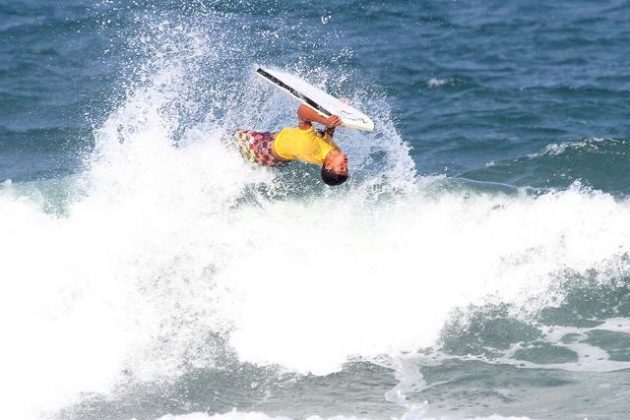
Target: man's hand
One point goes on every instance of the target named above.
(306, 115)
(333, 121)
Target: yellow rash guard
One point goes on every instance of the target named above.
(305, 145)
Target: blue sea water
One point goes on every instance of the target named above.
(476, 264)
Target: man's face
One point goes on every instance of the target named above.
(338, 163)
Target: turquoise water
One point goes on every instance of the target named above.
(475, 265)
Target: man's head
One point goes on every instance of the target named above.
(335, 168)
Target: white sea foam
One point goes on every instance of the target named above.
(165, 246)
(406, 266)
(589, 357)
(261, 416)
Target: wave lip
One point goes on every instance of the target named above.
(597, 163)
(588, 145)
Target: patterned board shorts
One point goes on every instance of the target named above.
(256, 147)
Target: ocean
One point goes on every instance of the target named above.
(475, 265)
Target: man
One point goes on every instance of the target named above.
(302, 143)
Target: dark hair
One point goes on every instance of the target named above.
(331, 178)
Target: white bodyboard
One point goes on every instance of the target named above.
(317, 99)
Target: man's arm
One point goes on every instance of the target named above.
(306, 115)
